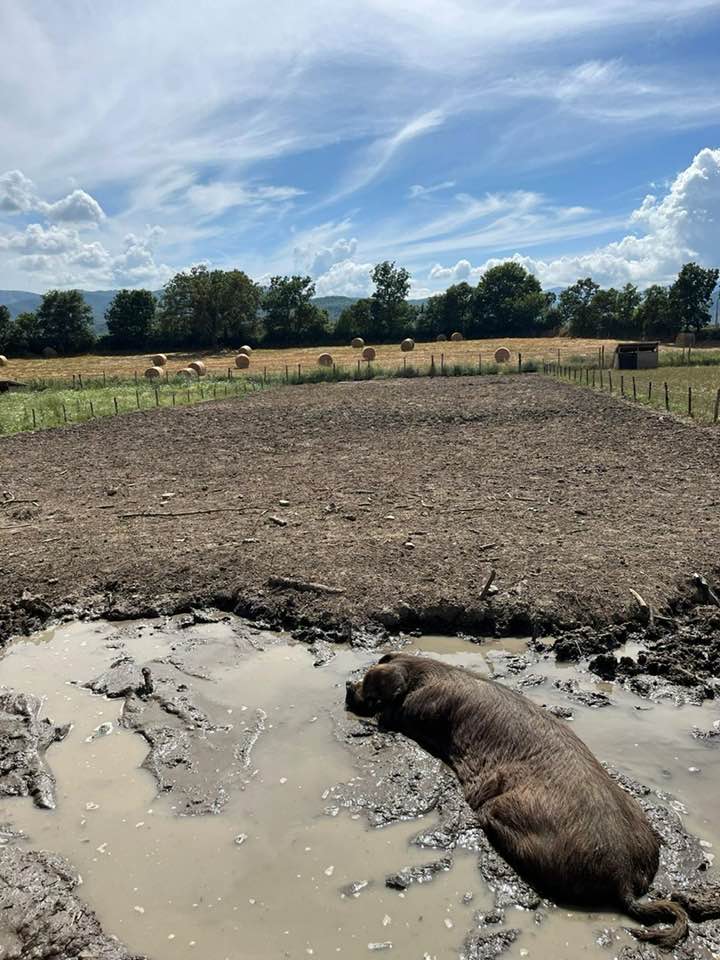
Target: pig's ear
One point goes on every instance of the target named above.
(386, 683)
(389, 657)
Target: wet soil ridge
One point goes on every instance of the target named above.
(41, 915)
(563, 494)
(24, 738)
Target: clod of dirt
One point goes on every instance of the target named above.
(123, 678)
(485, 946)
(712, 735)
(573, 645)
(42, 917)
(589, 698)
(419, 874)
(24, 738)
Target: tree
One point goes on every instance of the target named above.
(65, 322)
(509, 301)
(290, 315)
(575, 308)
(628, 301)
(209, 308)
(654, 317)
(354, 321)
(5, 328)
(129, 317)
(604, 308)
(691, 296)
(25, 335)
(392, 315)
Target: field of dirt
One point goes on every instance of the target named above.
(356, 506)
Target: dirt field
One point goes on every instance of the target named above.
(402, 494)
(388, 356)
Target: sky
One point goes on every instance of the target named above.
(140, 137)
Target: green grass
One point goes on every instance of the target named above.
(649, 387)
(47, 404)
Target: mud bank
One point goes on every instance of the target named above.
(320, 833)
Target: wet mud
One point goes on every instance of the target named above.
(218, 802)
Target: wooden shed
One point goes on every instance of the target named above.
(636, 356)
(10, 386)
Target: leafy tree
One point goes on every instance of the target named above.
(691, 296)
(5, 328)
(129, 317)
(628, 301)
(25, 335)
(509, 301)
(209, 308)
(575, 308)
(392, 315)
(290, 315)
(65, 322)
(654, 316)
(604, 307)
(354, 321)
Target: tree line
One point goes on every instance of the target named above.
(202, 308)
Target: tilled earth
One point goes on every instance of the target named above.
(401, 496)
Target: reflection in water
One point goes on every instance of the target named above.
(263, 878)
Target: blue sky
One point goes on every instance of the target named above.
(140, 137)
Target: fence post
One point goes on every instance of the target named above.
(298, 373)
(115, 405)
(690, 413)
(92, 410)
(519, 362)
(432, 364)
(716, 411)
(634, 389)
(287, 372)
(610, 381)
(667, 396)
(136, 377)
(80, 379)
(649, 390)
(265, 374)
(622, 385)
(442, 363)
(480, 364)
(66, 420)
(104, 379)
(157, 397)
(137, 398)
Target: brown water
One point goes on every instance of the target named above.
(182, 887)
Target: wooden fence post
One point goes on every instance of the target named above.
(115, 404)
(716, 411)
(667, 396)
(690, 413)
(634, 389)
(649, 390)
(610, 381)
(519, 362)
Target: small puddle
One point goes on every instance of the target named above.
(181, 887)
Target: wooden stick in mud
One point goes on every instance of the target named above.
(303, 586)
(488, 583)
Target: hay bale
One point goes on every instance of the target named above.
(186, 373)
(407, 345)
(325, 360)
(154, 373)
(242, 361)
(457, 337)
(502, 355)
(441, 337)
(357, 342)
(199, 367)
(159, 360)
(3, 361)
(245, 349)
(49, 353)
(368, 353)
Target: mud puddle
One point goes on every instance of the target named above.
(269, 875)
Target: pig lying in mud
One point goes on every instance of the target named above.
(546, 804)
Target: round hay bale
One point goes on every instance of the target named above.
(49, 353)
(369, 353)
(153, 373)
(457, 337)
(199, 367)
(159, 360)
(3, 361)
(407, 345)
(245, 349)
(325, 360)
(186, 373)
(357, 342)
(441, 337)
(502, 355)
(242, 361)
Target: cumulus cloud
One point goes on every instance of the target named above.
(17, 193)
(682, 225)
(76, 207)
(319, 260)
(347, 279)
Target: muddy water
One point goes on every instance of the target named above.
(184, 887)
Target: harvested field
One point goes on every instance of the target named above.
(388, 356)
(400, 495)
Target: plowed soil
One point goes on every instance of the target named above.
(402, 494)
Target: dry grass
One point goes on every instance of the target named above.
(389, 356)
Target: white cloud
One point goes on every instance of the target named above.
(683, 225)
(17, 193)
(215, 198)
(418, 190)
(319, 261)
(347, 279)
(76, 207)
